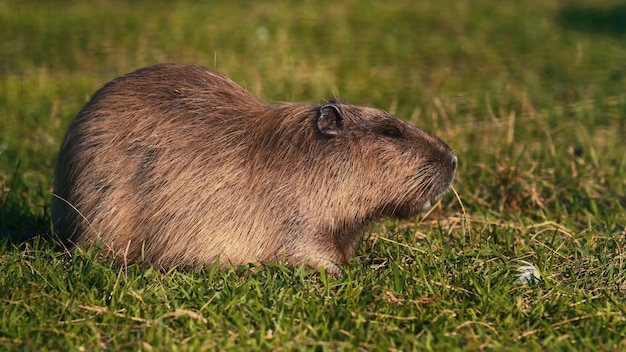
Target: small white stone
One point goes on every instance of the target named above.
(528, 273)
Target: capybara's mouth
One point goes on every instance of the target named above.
(436, 197)
(429, 203)
(426, 206)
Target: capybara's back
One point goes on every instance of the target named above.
(176, 165)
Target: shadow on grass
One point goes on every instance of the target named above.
(21, 220)
(17, 226)
(607, 20)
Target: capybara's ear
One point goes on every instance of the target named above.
(329, 120)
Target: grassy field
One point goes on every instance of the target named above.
(531, 95)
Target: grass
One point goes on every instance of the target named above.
(530, 95)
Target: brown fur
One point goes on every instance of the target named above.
(176, 165)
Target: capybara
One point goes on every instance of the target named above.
(177, 166)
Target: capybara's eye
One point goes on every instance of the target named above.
(391, 131)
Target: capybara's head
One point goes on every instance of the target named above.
(384, 160)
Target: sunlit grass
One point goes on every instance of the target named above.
(529, 95)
